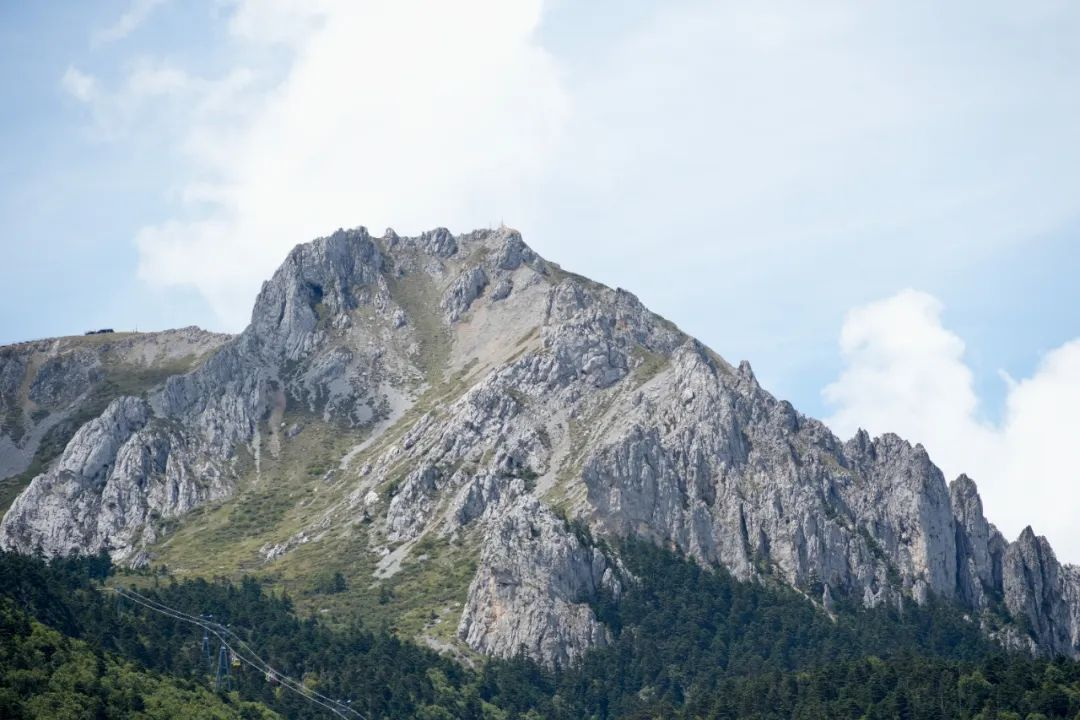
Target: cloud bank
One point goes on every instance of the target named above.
(905, 373)
(687, 137)
(389, 112)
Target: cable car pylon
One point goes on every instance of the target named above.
(223, 677)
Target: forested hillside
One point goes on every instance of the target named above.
(687, 643)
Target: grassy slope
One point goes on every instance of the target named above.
(303, 487)
(290, 495)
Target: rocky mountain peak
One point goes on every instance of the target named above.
(319, 280)
(522, 419)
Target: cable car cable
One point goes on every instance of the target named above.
(218, 629)
(259, 664)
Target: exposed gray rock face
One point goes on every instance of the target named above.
(711, 462)
(299, 346)
(61, 379)
(980, 548)
(1040, 592)
(497, 386)
(119, 471)
(439, 242)
(462, 293)
(526, 595)
(317, 284)
(325, 337)
(639, 430)
(49, 387)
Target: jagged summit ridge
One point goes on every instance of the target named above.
(505, 402)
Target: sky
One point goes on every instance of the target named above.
(874, 203)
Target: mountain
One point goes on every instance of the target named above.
(50, 388)
(469, 432)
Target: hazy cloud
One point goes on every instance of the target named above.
(78, 84)
(133, 17)
(851, 139)
(164, 101)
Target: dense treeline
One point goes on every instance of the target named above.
(686, 643)
(697, 644)
(44, 674)
(385, 676)
(686, 629)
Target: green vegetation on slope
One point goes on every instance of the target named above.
(298, 491)
(46, 675)
(270, 506)
(687, 643)
(383, 675)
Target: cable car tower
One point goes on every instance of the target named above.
(223, 677)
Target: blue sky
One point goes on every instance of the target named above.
(768, 176)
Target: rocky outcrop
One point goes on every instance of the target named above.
(980, 548)
(530, 594)
(324, 338)
(638, 430)
(313, 291)
(709, 461)
(1041, 594)
(495, 387)
(120, 471)
(49, 387)
(461, 294)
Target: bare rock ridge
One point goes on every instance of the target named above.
(519, 411)
(49, 388)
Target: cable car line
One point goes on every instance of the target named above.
(220, 631)
(259, 664)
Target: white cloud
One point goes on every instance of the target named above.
(133, 17)
(809, 155)
(390, 112)
(905, 373)
(278, 21)
(161, 100)
(79, 85)
(699, 138)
